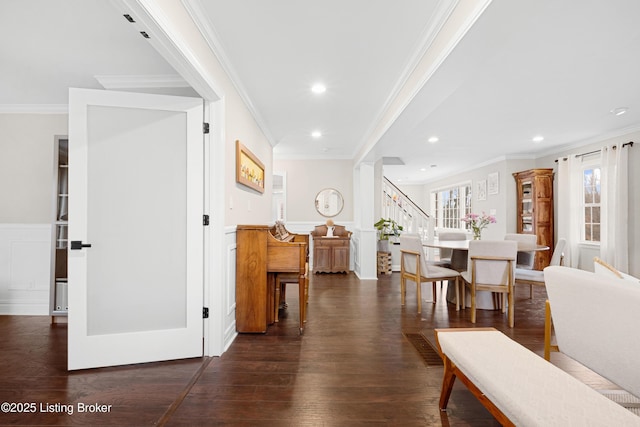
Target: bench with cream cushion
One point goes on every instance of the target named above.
(518, 387)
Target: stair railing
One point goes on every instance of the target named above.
(399, 207)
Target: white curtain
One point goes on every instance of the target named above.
(614, 243)
(569, 182)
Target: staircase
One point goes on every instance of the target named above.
(400, 208)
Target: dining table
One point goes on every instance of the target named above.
(459, 256)
(464, 245)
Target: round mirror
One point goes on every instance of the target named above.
(329, 202)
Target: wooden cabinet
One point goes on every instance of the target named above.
(535, 209)
(331, 254)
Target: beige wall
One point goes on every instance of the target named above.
(305, 178)
(26, 166)
(417, 194)
(243, 204)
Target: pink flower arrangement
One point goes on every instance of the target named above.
(478, 223)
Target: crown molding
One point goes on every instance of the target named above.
(141, 81)
(199, 17)
(617, 133)
(323, 156)
(34, 109)
(404, 94)
(442, 12)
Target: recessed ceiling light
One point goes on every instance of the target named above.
(318, 88)
(423, 169)
(538, 138)
(316, 134)
(433, 139)
(619, 111)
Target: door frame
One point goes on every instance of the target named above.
(170, 44)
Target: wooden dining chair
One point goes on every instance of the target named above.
(491, 268)
(414, 267)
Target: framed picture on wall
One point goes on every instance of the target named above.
(481, 190)
(494, 185)
(249, 170)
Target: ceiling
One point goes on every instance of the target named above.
(522, 69)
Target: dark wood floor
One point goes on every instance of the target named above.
(353, 366)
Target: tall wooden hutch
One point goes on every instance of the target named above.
(535, 209)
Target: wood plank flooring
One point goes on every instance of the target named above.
(352, 367)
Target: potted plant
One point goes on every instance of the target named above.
(386, 228)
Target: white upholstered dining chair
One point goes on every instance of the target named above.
(491, 267)
(414, 267)
(526, 276)
(444, 253)
(525, 259)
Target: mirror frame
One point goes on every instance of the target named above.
(318, 200)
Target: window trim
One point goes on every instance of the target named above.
(463, 209)
(594, 163)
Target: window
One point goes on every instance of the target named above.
(450, 205)
(591, 204)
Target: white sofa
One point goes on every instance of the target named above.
(595, 319)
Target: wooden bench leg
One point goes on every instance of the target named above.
(447, 383)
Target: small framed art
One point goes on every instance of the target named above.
(249, 170)
(481, 190)
(493, 183)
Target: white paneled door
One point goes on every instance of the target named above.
(135, 228)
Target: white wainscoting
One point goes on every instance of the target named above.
(229, 283)
(229, 264)
(25, 268)
(367, 242)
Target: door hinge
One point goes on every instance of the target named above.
(205, 219)
(205, 312)
(205, 128)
